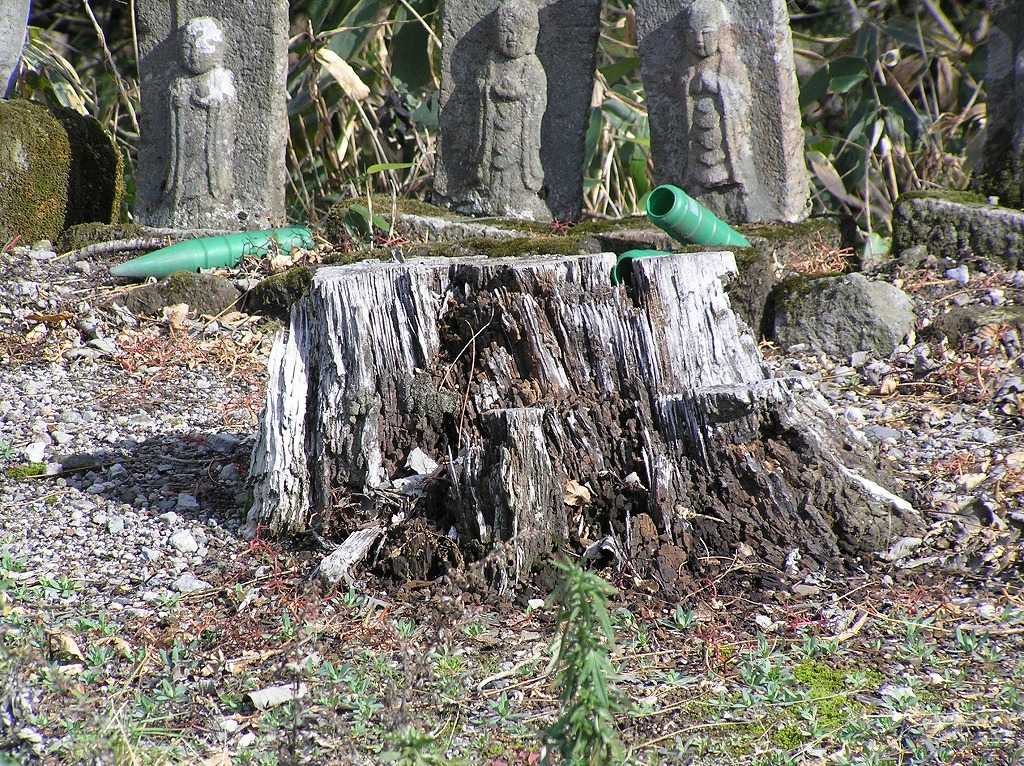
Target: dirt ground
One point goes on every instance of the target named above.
(106, 658)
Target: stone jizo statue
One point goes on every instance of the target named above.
(513, 94)
(214, 122)
(200, 175)
(723, 104)
(715, 89)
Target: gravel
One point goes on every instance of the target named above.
(147, 442)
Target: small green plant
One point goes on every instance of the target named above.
(411, 747)
(683, 619)
(474, 629)
(585, 733)
(405, 629)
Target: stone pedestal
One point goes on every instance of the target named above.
(214, 119)
(723, 102)
(13, 21)
(515, 99)
(1003, 166)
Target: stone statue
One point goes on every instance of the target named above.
(716, 94)
(513, 94)
(200, 175)
(214, 120)
(517, 78)
(723, 105)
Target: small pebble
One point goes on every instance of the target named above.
(183, 541)
(960, 275)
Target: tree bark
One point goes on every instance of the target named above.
(519, 376)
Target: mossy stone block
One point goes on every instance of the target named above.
(959, 225)
(275, 295)
(57, 169)
(205, 294)
(85, 234)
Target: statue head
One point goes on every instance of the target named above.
(704, 27)
(517, 28)
(202, 45)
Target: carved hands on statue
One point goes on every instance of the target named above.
(220, 180)
(534, 171)
(483, 159)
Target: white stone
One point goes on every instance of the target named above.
(184, 541)
(189, 583)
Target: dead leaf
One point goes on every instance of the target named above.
(272, 696)
(220, 758)
(64, 646)
(120, 646)
(889, 385)
(970, 480)
(576, 494)
(343, 74)
(281, 262)
(176, 315)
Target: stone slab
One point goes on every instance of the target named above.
(214, 133)
(1002, 169)
(743, 154)
(959, 229)
(566, 48)
(13, 23)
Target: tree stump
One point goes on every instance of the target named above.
(557, 410)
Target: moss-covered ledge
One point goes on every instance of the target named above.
(957, 225)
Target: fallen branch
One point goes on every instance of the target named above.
(153, 239)
(117, 246)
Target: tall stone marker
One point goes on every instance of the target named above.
(723, 102)
(214, 116)
(13, 24)
(517, 79)
(1003, 168)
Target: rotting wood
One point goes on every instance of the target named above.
(519, 375)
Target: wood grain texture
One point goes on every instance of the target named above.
(518, 375)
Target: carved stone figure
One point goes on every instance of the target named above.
(200, 175)
(513, 95)
(716, 92)
(1003, 167)
(723, 104)
(214, 119)
(13, 21)
(517, 77)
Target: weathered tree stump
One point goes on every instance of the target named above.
(522, 376)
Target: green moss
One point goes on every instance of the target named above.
(959, 196)
(35, 162)
(829, 693)
(85, 234)
(789, 737)
(275, 295)
(776, 232)
(26, 471)
(511, 248)
(821, 679)
(332, 226)
(57, 168)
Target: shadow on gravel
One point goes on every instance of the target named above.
(199, 476)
